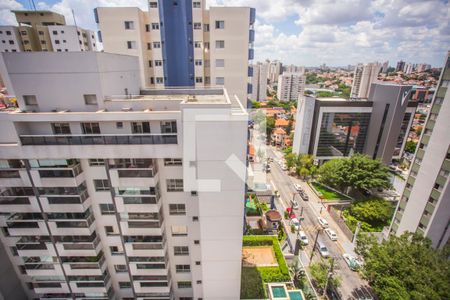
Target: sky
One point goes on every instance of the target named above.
(313, 32)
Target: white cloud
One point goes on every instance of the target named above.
(6, 17)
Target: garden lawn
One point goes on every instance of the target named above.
(253, 279)
(327, 193)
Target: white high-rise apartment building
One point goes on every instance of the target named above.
(259, 81)
(293, 69)
(409, 68)
(275, 69)
(44, 30)
(180, 43)
(364, 76)
(290, 86)
(425, 204)
(105, 195)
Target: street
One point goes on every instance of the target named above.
(351, 283)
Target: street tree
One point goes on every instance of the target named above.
(320, 272)
(358, 172)
(405, 267)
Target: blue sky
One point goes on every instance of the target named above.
(312, 32)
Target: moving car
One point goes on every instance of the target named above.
(294, 204)
(322, 222)
(331, 234)
(352, 262)
(298, 187)
(303, 238)
(296, 223)
(323, 250)
(304, 196)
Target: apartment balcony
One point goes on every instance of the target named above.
(18, 204)
(68, 203)
(142, 227)
(26, 227)
(80, 248)
(100, 139)
(138, 203)
(84, 265)
(90, 284)
(152, 286)
(35, 246)
(43, 269)
(73, 226)
(149, 268)
(14, 178)
(134, 177)
(141, 248)
(63, 177)
(53, 287)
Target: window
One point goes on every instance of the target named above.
(168, 127)
(177, 209)
(61, 128)
(90, 99)
(30, 99)
(207, 80)
(90, 128)
(120, 268)
(183, 268)
(64, 41)
(159, 80)
(119, 125)
(184, 284)
(129, 25)
(114, 250)
(180, 250)
(206, 44)
(198, 62)
(8, 32)
(179, 230)
(220, 24)
(106, 208)
(195, 219)
(152, 80)
(147, 27)
(55, 32)
(124, 284)
(174, 185)
(206, 27)
(196, 242)
(93, 162)
(197, 25)
(158, 63)
(101, 185)
(57, 42)
(156, 44)
(220, 63)
(197, 44)
(149, 46)
(109, 230)
(153, 4)
(131, 45)
(220, 44)
(155, 26)
(40, 32)
(197, 263)
(173, 162)
(196, 4)
(150, 63)
(140, 127)
(43, 42)
(220, 80)
(198, 79)
(199, 282)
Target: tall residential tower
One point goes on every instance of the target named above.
(364, 76)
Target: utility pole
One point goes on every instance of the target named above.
(329, 275)
(301, 211)
(358, 227)
(314, 246)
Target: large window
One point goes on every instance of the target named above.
(173, 161)
(61, 128)
(179, 230)
(177, 209)
(174, 185)
(101, 185)
(184, 284)
(140, 127)
(168, 126)
(129, 25)
(90, 128)
(220, 24)
(183, 268)
(180, 250)
(30, 99)
(90, 99)
(342, 134)
(220, 44)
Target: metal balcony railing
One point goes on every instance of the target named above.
(99, 139)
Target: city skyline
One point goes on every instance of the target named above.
(299, 34)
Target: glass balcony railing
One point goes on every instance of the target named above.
(103, 139)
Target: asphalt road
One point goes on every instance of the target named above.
(352, 286)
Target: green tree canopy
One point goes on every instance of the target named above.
(374, 211)
(410, 146)
(358, 172)
(405, 267)
(319, 272)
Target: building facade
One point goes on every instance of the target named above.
(333, 127)
(259, 81)
(106, 195)
(425, 204)
(44, 31)
(290, 86)
(363, 77)
(183, 44)
(275, 69)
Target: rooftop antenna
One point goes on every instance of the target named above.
(34, 6)
(73, 15)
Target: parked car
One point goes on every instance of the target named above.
(294, 204)
(283, 167)
(298, 187)
(322, 222)
(296, 223)
(291, 213)
(304, 196)
(331, 234)
(352, 262)
(303, 238)
(323, 250)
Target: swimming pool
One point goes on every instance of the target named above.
(295, 295)
(278, 291)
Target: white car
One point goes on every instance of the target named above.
(296, 223)
(294, 204)
(323, 250)
(303, 238)
(352, 262)
(322, 222)
(331, 234)
(298, 187)
(283, 167)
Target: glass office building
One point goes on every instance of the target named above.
(342, 134)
